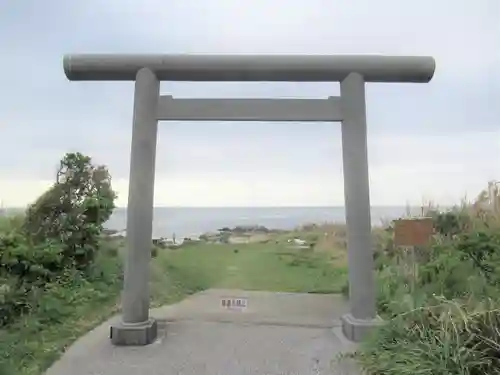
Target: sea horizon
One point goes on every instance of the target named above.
(190, 221)
(193, 221)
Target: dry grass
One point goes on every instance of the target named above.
(328, 238)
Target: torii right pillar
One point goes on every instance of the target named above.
(362, 286)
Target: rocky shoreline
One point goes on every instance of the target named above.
(238, 235)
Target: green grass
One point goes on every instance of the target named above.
(256, 267)
(69, 309)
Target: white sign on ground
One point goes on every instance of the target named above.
(234, 303)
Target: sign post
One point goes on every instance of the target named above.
(412, 235)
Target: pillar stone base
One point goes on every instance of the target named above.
(356, 330)
(126, 334)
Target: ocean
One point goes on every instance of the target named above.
(190, 222)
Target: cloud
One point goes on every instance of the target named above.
(439, 140)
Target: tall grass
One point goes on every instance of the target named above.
(445, 317)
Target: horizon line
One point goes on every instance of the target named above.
(278, 206)
(407, 205)
(293, 206)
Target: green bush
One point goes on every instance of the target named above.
(57, 238)
(33, 263)
(482, 248)
(64, 309)
(73, 210)
(14, 299)
(24, 267)
(451, 222)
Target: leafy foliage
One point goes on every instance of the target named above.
(482, 248)
(58, 237)
(450, 223)
(73, 210)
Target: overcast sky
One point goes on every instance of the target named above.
(436, 141)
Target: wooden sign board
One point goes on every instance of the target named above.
(413, 231)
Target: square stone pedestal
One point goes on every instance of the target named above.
(357, 329)
(126, 334)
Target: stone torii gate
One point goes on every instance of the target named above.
(352, 71)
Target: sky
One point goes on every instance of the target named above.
(436, 142)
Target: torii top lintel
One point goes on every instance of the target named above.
(244, 68)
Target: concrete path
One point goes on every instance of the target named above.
(277, 334)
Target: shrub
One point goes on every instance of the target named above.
(450, 223)
(482, 248)
(73, 210)
(57, 238)
(23, 268)
(14, 299)
(31, 263)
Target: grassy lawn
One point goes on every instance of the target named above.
(67, 311)
(268, 267)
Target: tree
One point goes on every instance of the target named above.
(73, 211)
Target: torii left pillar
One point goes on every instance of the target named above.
(136, 327)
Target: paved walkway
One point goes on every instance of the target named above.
(277, 334)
